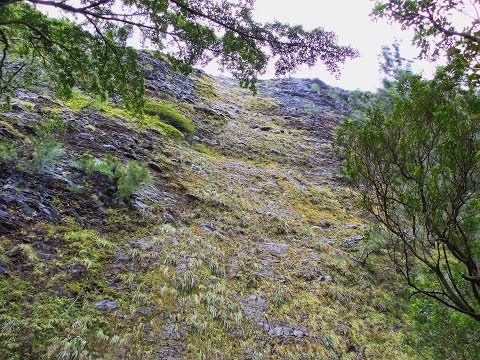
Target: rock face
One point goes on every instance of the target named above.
(107, 305)
(237, 249)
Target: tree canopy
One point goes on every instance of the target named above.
(441, 27)
(417, 168)
(414, 154)
(87, 45)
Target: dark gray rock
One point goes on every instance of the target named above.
(145, 310)
(352, 241)
(275, 249)
(154, 166)
(208, 227)
(4, 268)
(171, 332)
(326, 278)
(76, 268)
(121, 256)
(142, 245)
(7, 222)
(106, 305)
(44, 251)
(16, 106)
(325, 240)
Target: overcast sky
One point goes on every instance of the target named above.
(350, 20)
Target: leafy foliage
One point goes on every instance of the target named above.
(441, 27)
(417, 168)
(87, 47)
(129, 178)
(434, 323)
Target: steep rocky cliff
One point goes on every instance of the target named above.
(244, 245)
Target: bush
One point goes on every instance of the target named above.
(130, 177)
(90, 165)
(7, 151)
(127, 178)
(434, 323)
(416, 166)
(168, 113)
(47, 151)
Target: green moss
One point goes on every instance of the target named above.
(167, 130)
(7, 122)
(168, 113)
(27, 104)
(206, 88)
(207, 150)
(263, 105)
(81, 101)
(156, 117)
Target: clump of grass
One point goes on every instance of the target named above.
(127, 178)
(47, 149)
(7, 151)
(68, 348)
(263, 105)
(214, 267)
(167, 112)
(310, 108)
(186, 282)
(204, 149)
(130, 177)
(281, 296)
(315, 87)
(25, 251)
(197, 324)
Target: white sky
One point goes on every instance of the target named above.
(350, 20)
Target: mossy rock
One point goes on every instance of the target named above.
(168, 113)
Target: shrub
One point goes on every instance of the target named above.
(127, 178)
(168, 113)
(90, 165)
(7, 151)
(47, 151)
(416, 167)
(130, 177)
(433, 323)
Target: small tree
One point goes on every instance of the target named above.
(90, 50)
(417, 168)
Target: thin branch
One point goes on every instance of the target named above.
(6, 44)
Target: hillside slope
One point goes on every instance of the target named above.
(245, 245)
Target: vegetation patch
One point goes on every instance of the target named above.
(144, 121)
(127, 178)
(168, 113)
